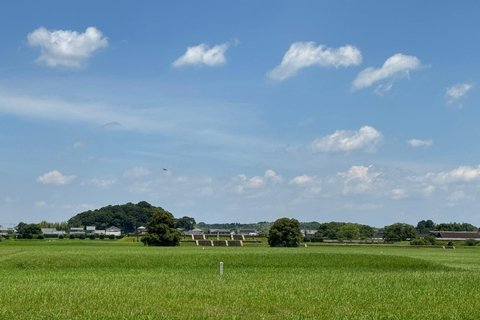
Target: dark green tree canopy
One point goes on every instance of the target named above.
(285, 232)
(161, 230)
(126, 216)
(187, 223)
(399, 232)
(28, 230)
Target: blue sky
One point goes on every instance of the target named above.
(327, 111)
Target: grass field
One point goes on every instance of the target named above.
(84, 279)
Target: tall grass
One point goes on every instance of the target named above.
(120, 280)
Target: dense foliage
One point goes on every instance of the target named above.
(161, 230)
(428, 225)
(126, 217)
(285, 232)
(188, 223)
(399, 232)
(341, 230)
(27, 231)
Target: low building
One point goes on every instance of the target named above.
(219, 231)
(91, 229)
(195, 232)
(141, 230)
(249, 232)
(5, 230)
(308, 233)
(99, 232)
(455, 235)
(113, 231)
(77, 230)
(48, 231)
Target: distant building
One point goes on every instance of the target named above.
(250, 232)
(113, 230)
(141, 230)
(219, 231)
(91, 229)
(4, 230)
(195, 232)
(455, 235)
(308, 233)
(52, 231)
(77, 230)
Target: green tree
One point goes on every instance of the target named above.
(28, 230)
(366, 232)
(425, 226)
(399, 232)
(187, 223)
(285, 232)
(349, 231)
(161, 230)
(329, 230)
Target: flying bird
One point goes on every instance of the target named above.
(164, 169)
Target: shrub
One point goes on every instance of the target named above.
(41, 237)
(431, 240)
(7, 236)
(471, 242)
(72, 236)
(419, 242)
(92, 237)
(61, 236)
(161, 230)
(82, 236)
(30, 236)
(102, 236)
(285, 232)
(112, 236)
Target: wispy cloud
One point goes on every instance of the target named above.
(305, 54)
(455, 94)
(366, 139)
(420, 143)
(102, 182)
(203, 55)
(398, 65)
(65, 47)
(55, 177)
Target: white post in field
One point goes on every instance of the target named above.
(221, 268)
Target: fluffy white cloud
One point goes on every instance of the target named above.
(103, 182)
(398, 193)
(395, 66)
(420, 143)
(301, 180)
(366, 139)
(457, 92)
(55, 177)
(203, 55)
(306, 54)
(256, 181)
(428, 191)
(65, 47)
(136, 172)
(358, 179)
(460, 174)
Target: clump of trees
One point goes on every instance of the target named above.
(285, 232)
(28, 231)
(188, 223)
(161, 230)
(425, 226)
(126, 217)
(399, 232)
(344, 231)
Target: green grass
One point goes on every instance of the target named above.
(85, 279)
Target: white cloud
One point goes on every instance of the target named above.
(366, 139)
(40, 203)
(65, 47)
(103, 182)
(460, 174)
(396, 66)
(428, 191)
(203, 55)
(301, 180)
(420, 143)
(398, 193)
(358, 179)
(55, 177)
(78, 145)
(458, 92)
(257, 181)
(136, 172)
(306, 54)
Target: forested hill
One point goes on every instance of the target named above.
(126, 216)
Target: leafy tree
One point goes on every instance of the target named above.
(399, 232)
(329, 230)
(187, 223)
(366, 232)
(285, 232)
(161, 230)
(26, 231)
(425, 226)
(349, 231)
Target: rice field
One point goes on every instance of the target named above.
(84, 279)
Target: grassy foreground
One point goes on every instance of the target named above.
(78, 279)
